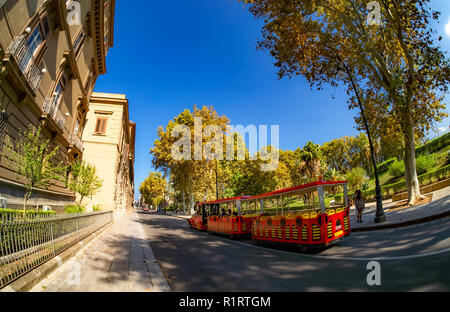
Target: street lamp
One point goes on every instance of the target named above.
(379, 216)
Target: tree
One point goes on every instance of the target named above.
(195, 177)
(311, 156)
(396, 57)
(84, 180)
(152, 189)
(33, 159)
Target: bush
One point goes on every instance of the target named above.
(356, 178)
(73, 209)
(96, 208)
(397, 169)
(338, 198)
(424, 164)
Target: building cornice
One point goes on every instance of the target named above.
(98, 32)
(111, 23)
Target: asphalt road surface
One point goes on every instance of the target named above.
(415, 258)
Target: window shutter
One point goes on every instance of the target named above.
(103, 128)
(97, 125)
(100, 126)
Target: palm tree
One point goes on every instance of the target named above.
(311, 156)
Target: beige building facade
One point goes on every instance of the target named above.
(51, 53)
(109, 145)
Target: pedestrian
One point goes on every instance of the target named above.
(360, 204)
(223, 214)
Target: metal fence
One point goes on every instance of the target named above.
(27, 242)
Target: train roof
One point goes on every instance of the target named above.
(298, 189)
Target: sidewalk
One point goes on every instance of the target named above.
(118, 260)
(438, 208)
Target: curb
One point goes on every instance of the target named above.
(434, 217)
(31, 279)
(177, 217)
(158, 280)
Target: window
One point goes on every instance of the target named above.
(79, 42)
(100, 125)
(34, 40)
(45, 26)
(59, 90)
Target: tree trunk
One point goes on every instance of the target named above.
(25, 201)
(412, 182)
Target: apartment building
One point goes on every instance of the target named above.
(109, 145)
(51, 53)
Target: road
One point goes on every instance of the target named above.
(415, 258)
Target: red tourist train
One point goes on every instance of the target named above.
(223, 216)
(308, 215)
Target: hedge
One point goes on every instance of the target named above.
(28, 212)
(435, 145)
(424, 179)
(384, 166)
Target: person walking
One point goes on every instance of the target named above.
(360, 204)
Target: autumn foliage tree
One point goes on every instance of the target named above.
(152, 189)
(396, 57)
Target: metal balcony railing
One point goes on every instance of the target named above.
(50, 107)
(60, 120)
(76, 141)
(24, 58)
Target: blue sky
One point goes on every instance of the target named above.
(170, 55)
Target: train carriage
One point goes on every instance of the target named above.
(199, 220)
(226, 217)
(306, 215)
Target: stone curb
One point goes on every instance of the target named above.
(377, 227)
(29, 280)
(159, 282)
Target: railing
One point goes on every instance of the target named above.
(60, 119)
(76, 141)
(27, 242)
(50, 107)
(24, 58)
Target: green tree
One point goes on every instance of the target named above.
(34, 161)
(312, 156)
(356, 177)
(84, 180)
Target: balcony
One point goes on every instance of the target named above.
(50, 108)
(22, 54)
(76, 141)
